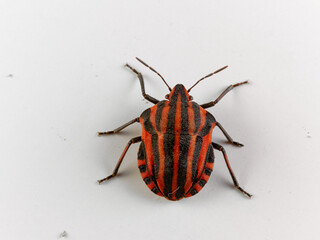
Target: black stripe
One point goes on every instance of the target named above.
(207, 126)
(196, 153)
(184, 145)
(160, 107)
(202, 182)
(142, 168)
(184, 99)
(184, 119)
(155, 190)
(146, 121)
(147, 180)
(182, 171)
(141, 152)
(168, 144)
(193, 192)
(210, 154)
(155, 151)
(207, 171)
(172, 115)
(197, 118)
(168, 163)
(174, 97)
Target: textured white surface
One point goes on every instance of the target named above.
(62, 79)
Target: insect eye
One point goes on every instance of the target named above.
(190, 98)
(167, 96)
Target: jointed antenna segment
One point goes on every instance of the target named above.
(209, 75)
(154, 71)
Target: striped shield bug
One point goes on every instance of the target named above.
(176, 155)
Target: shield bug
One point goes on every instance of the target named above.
(176, 156)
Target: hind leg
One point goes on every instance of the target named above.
(115, 171)
(235, 181)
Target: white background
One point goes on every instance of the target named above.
(62, 79)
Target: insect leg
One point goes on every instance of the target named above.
(119, 128)
(228, 89)
(235, 181)
(116, 169)
(228, 136)
(146, 96)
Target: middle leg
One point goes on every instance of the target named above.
(119, 128)
(228, 136)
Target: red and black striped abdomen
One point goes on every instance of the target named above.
(176, 155)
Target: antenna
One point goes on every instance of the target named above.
(154, 71)
(209, 75)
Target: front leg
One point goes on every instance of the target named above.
(228, 89)
(230, 140)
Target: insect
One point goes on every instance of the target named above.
(176, 155)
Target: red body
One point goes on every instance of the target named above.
(176, 157)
